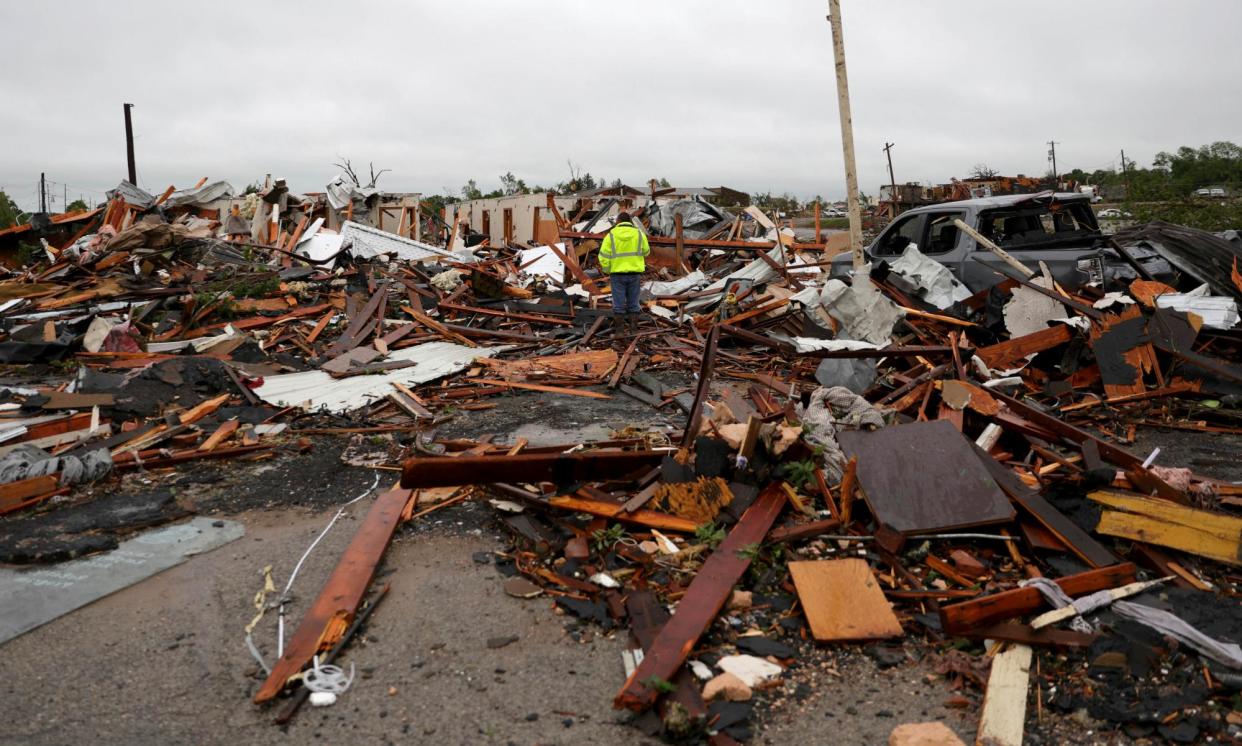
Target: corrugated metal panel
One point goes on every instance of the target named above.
(368, 242)
(315, 389)
(204, 195)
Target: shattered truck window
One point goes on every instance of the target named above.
(941, 235)
(900, 235)
(1038, 224)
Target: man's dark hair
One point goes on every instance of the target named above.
(623, 217)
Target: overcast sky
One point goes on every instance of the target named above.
(701, 92)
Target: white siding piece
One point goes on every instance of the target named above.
(1217, 312)
(367, 242)
(315, 389)
(542, 261)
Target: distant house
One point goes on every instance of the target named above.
(518, 218)
(525, 218)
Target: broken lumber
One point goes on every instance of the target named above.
(1154, 521)
(444, 471)
(999, 607)
(843, 601)
(1004, 703)
(337, 603)
(704, 598)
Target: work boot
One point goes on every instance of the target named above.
(619, 324)
(634, 322)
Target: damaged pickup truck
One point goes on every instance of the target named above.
(1057, 229)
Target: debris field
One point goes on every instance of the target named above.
(876, 462)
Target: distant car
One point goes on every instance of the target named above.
(1059, 230)
(1210, 192)
(1114, 213)
(834, 213)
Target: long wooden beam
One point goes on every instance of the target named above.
(446, 471)
(999, 607)
(703, 600)
(337, 603)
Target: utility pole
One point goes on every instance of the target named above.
(1052, 153)
(847, 133)
(42, 192)
(892, 182)
(64, 202)
(1125, 174)
(129, 145)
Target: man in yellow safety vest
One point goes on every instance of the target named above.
(623, 257)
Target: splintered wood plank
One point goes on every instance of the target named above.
(703, 600)
(999, 607)
(648, 518)
(336, 604)
(843, 601)
(1004, 704)
(544, 389)
(1197, 541)
(1122, 352)
(66, 400)
(1066, 531)
(1009, 353)
(925, 477)
(590, 364)
(1202, 520)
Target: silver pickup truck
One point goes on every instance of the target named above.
(1058, 229)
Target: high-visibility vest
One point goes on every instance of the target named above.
(624, 249)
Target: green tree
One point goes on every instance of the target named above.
(9, 211)
(77, 206)
(471, 191)
(510, 184)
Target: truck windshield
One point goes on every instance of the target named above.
(1020, 226)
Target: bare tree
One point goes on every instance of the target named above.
(983, 171)
(348, 169)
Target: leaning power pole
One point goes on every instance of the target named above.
(847, 133)
(892, 182)
(1052, 153)
(129, 145)
(42, 192)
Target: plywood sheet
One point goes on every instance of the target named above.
(925, 477)
(843, 601)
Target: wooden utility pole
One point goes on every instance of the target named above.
(847, 133)
(1052, 153)
(129, 145)
(892, 182)
(1125, 175)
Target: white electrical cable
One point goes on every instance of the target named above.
(327, 678)
(284, 595)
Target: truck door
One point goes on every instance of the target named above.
(902, 232)
(941, 239)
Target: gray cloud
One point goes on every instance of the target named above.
(698, 91)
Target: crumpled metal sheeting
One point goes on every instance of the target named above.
(315, 389)
(24, 463)
(341, 191)
(757, 271)
(697, 217)
(918, 274)
(1164, 622)
(676, 287)
(864, 312)
(366, 242)
(1207, 257)
(132, 195)
(202, 196)
(829, 411)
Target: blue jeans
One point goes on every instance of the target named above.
(625, 289)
